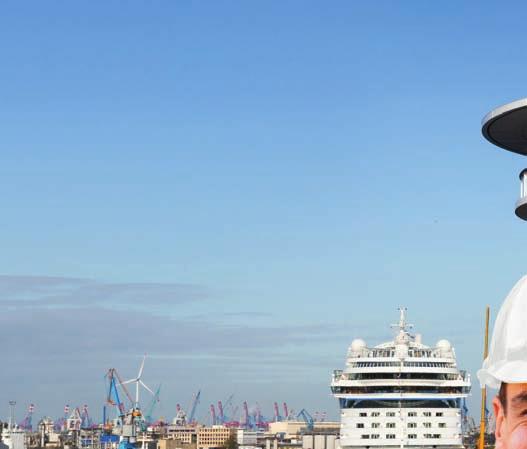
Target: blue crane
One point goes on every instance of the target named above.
(113, 399)
(150, 410)
(308, 419)
(228, 405)
(195, 403)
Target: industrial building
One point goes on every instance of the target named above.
(214, 437)
(292, 429)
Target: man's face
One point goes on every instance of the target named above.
(511, 419)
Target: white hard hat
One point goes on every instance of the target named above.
(507, 358)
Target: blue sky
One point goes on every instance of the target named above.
(239, 189)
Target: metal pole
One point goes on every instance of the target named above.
(11, 424)
(481, 444)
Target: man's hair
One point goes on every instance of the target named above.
(502, 395)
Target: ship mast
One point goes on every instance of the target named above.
(11, 424)
(402, 325)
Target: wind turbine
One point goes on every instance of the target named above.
(138, 381)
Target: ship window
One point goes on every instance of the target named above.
(390, 436)
(375, 436)
(427, 414)
(375, 414)
(412, 413)
(412, 424)
(360, 425)
(390, 425)
(363, 414)
(442, 424)
(427, 424)
(412, 436)
(365, 436)
(390, 413)
(375, 425)
(439, 413)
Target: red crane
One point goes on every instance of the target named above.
(276, 412)
(27, 424)
(213, 414)
(246, 415)
(286, 412)
(221, 416)
(86, 422)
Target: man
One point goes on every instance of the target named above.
(510, 410)
(505, 369)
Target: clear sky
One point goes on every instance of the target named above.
(239, 189)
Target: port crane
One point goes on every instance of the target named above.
(221, 415)
(228, 405)
(260, 421)
(61, 422)
(26, 424)
(193, 407)
(150, 411)
(286, 412)
(246, 422)
(277, 416)
(86, 421)
(181, 416)
(113, 398)
(308, 419)
(213, 415)
(127, 422)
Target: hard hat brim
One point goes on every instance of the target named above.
(511, 372)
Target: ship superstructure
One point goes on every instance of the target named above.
(401, 393)
(11, 434)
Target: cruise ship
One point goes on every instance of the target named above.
(401, 393)
(11, 435)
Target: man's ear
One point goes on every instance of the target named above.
(501, 423)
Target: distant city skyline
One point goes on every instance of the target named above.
(239, 190)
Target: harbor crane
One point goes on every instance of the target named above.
(308, 419)
(260, 421)
(246, 421)
(150, 411)
(131, 421)
(227, 405)
(86, 421)
(212, 414)
(113, 398)
(26, 424)
(181, 416)
(193, 407)
(221, 415)
(286, 412)
(277, 416)
(60, 424)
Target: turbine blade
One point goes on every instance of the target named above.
(128, 381)
(146, 387)
(142, 368)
